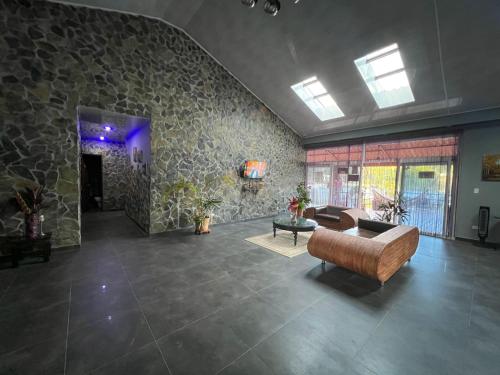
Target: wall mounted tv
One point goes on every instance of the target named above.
(253, 169)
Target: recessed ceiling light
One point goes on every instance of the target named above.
(249, 3)
(272, 7)
(384, 73)
(101, 138)
(107, 128)
(314, 95)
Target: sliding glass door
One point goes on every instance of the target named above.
(370, 176)
(425, 189)
(319, 182)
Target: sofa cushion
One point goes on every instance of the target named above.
(375, 226)
(334, 210)
(360, 232)
(328, 217)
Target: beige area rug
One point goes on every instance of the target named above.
(283, 243)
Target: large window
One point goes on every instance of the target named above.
(370, 175)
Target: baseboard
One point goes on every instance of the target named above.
(486, 245)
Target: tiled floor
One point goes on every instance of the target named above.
(185, 304)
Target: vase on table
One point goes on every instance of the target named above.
(32, 226)
(300, 213)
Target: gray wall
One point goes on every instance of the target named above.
(114, 167)
(54, 57)
(474, 144)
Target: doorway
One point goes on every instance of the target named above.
(91, 182)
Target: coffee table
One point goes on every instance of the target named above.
(300, 225)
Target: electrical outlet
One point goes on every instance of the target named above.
(476, 190)
(474, 227)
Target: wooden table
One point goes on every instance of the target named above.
(15, 248)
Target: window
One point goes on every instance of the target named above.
(369, 175)
(314, 95)
(385, 75)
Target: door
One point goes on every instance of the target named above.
(425, 189)
(91, 182)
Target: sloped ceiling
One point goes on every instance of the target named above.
(449, 47)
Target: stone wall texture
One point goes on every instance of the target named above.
(114, 171)
(54, 57)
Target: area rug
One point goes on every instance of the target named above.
(283, 243)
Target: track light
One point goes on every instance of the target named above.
(249, 3)
(272, 7)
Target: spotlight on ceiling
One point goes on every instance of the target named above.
(249, 3)
(101, 138)
(272, 7)
(107, 128)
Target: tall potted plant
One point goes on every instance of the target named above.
(203, 210)
(202, 203)
(394, 211)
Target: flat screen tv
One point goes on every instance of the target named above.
(253, 169)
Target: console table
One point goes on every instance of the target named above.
(15, 248)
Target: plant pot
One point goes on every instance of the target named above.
(32, 226)
(202, 227)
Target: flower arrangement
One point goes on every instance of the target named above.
(31, 201)
(297, 203)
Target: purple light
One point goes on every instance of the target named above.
(107, 128)
(101, 138)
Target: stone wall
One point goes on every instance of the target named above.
(114, 171)
(138, 202)
(54, 57)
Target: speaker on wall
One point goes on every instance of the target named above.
(483, 223)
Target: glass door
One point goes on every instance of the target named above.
(319, 181)
(425, 189)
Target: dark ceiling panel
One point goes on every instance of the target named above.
(323, 38)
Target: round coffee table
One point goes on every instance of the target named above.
(300, 225)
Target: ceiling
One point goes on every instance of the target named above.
(449, 48)
(92, 123)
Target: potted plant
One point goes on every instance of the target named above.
(201, 216)
(30, 203)
(394, 210)
(201, 202)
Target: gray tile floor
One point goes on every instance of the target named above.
(184, 304)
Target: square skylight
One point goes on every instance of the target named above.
(385, 75)
(314, 95)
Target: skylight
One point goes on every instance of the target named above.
(385, 75)
(314, 95)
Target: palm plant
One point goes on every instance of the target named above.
(392, 210)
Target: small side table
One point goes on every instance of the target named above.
(15, 248)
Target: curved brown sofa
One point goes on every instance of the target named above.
(373, 249)
(335, 217)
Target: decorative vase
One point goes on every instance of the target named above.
(33, 226)
(300, 213)
(294, 217)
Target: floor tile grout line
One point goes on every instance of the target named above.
(67, 329)
(295, 316)
(143, 315)
(208, 315)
